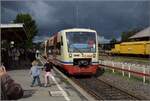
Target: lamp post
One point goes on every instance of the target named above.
(11, 60)
(45, 47)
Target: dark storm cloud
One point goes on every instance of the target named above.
(109, 18)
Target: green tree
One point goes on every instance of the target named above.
(125, 35)
(113, 41)
(30, 27)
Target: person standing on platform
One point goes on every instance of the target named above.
(35, 73)
(37, 55)
(15, 54)
(48, 66)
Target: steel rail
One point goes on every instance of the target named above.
(91, 92)
(105, 91)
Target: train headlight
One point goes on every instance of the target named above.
(70, 55)
(94, 55)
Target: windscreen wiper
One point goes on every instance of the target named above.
(78, 50)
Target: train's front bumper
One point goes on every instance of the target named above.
(75, 70)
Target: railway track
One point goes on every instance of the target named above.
(104, 91)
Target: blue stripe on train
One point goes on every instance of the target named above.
(70, 62)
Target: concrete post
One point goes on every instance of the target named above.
(129, 67)
(144, 78)
(113, 66)
(122, 70)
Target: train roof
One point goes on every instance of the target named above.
(78, 29)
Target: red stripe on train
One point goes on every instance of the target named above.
(76, 70)
(81, 70)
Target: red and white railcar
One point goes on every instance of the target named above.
(75, 50)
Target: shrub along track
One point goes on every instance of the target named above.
(104, 91)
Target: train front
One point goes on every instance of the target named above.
(82, 50)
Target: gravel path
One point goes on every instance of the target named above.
(136, 87)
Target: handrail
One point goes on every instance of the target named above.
(135, 72)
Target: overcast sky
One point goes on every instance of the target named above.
(109, 18)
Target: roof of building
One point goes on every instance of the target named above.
(18, 25)
(142, 34)
(13, 32)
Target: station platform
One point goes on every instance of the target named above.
(59, 89)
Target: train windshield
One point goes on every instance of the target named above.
(81, 41)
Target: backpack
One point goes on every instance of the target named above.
(10, 89)
(14, 92)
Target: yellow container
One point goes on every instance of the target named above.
(147, 48)
(139, 47)
(133, 47)
(116, 49)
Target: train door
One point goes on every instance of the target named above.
(59, 47)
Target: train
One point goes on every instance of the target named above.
(74, 50)
(132, 48)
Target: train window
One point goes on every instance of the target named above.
(81, 41)
(58, 48)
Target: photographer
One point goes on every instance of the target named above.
(10, 90)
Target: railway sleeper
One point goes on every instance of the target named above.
(110, 96)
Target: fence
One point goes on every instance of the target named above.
(135, 69)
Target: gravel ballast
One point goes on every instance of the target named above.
(137, 87)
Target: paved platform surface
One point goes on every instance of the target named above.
(59, 89)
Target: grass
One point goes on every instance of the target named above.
(132, 78)
(127, 59)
